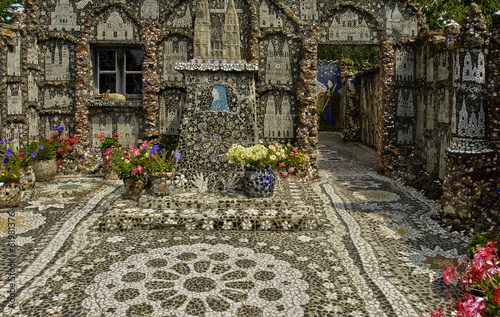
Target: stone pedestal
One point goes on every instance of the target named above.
(219, 111)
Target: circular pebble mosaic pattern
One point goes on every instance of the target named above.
(199, 279)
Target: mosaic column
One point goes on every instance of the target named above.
(150, 35)
(468, 192)
(351, 106)
(82, 57)
(307, 130)
(387, 135)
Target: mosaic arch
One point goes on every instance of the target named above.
(278, 36)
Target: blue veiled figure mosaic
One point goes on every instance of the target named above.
(259, 181)
(220, 99)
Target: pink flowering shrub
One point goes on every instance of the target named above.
(480, 283)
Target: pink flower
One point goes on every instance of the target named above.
(295, 149)
(131, 148)
(134, 171)
(109, 164)
(450, 275)
(127, 157)
(107, 158)
(292, 153)
(282, 164)
(139, 169)
(144, 145)
(137, 152)
(438, 313)
(284, 174)
(291, 170)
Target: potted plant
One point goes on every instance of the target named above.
(258, 161)
(45, 152)
(107, 146)
(162, 165)
(133, 167)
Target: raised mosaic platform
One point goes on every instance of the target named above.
(293, 208)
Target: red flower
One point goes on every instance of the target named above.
(67, 136)
(496, 296)
(65, 142)
(60, 150)
(72, 141)
(77, 138)
(56, 133)
(116, 135)
(100, 136)
(59, 162)
(68, 148)
(51, 140)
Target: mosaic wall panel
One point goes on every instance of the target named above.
(57, 61)
(114, 26)
(172, 50)
(270, 17)
(14, 98)
(468, 125)
(57, 98)
(278, 116)
(170, 111)
(213, 98)
(33, 120)
(279, 63)
(14, 131)
(126, 123)
(14, 56)
(349, 27)
(182, 17)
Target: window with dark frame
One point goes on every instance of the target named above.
(119, 70)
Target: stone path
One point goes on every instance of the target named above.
(378, 254)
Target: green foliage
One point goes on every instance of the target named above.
(355, 57)
(7, 7)
(480, 240)
(439, 12)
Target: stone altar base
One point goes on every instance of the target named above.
(294, 207)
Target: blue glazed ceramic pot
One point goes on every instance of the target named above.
(259, 181)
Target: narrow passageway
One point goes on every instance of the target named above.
(376, 252)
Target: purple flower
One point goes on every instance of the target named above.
(1, 141)
(52, 128)
(33, 154)
(177, 155)
(60, 128)
(6, 160)
(9, 152)
(39, 136)
(155, 148)
(41, 146)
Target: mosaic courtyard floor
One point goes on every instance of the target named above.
(376, 253)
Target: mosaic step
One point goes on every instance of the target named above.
(293, 208)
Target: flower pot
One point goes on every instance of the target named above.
(10, 196)
(134, 188)
(45, 170)
(28, 179)
(259, 181)
(162, 182)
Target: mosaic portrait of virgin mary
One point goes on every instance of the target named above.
(220, 99)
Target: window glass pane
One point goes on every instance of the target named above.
(133, 84)
(107, 60)
(133, 59)
(107, 81)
